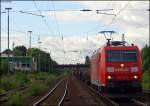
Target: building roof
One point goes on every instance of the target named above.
(7, 51)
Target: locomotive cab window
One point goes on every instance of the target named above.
(121, 56)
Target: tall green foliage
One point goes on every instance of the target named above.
(87, 60)
(3, 66)
(20, 50)
(44, 60)
(145, 58)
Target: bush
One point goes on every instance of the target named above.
(37, 88)
(50, 78)
(14, 81)
(2, 91)
(6, 83)
(145, 58)
(146, 80)
(15, 99)
(4, 66)
(22, 78)
(41, 76)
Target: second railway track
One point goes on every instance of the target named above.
(55, 96)
(4, 96)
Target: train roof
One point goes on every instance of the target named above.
(112, 46)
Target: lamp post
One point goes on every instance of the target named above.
(30, 39)
(8, 9)
(39, 63)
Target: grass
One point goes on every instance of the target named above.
(2, 91)
(37, 88)
(9, 82)
(50, 79)
(15, 99)
(20, 79)
(146, 80)
(37, 83)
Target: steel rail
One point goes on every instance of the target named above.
(104, 99)
(112, 102)
(146, 91)
(138, 102)
(3, 100)
(62, 99)
(12, 91)
(50, 92)
(4, 96)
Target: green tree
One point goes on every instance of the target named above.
(20, 51)
(4, 65)
(145, 58)
(44, 60)
(87, 60)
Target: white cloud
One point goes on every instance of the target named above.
(18, 39)
(76, 48)
(131, 21)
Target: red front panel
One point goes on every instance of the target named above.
(123, 73)
(99, 64)
(123, 70)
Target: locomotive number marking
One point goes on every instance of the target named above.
(121, 69)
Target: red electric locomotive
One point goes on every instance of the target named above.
(116, 67)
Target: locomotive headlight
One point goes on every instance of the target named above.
(109, 77)
(135, 76)
(110, 69)
(134, 69)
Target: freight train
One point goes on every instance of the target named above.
(114, 67)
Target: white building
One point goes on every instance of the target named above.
(22, 63)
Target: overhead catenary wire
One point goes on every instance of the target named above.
(114, 18)
(77, 10)
(57, 24)
(18, 31)
(17, 26)
(58, 28)
(124, 9)
(31, 13)
(99, 21)
(45, 22)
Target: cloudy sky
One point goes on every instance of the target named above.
(70, 34)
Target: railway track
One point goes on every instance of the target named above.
(139, 103)
(4, 96)
(105, 99)
(143, 97)
(128, 102)
(52, 95)
(146, 91)
(62, 99)
(124, 101)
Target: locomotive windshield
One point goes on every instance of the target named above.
(121, 56)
